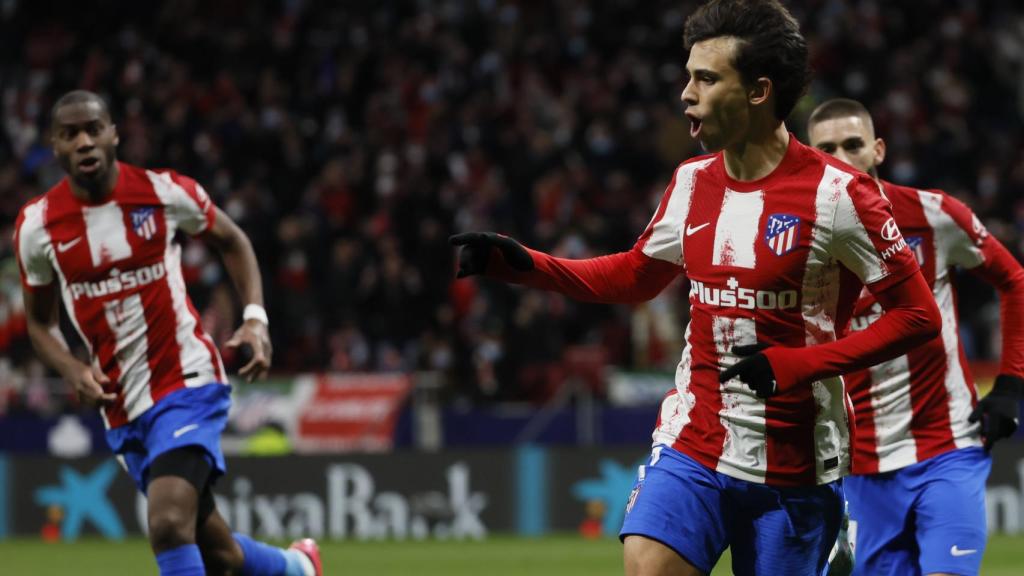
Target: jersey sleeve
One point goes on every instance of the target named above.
(662, 239)
(960, 233)
(865, 237)
(1000, 269)
(29, 247)
(192, 208)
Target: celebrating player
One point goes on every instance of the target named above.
(776, 239)
(106, 233)
(919, 444)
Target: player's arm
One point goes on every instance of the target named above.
(42, 310)
(969, 245)
(240, 261)
(623, 277)
(866, 241)
(911, 318)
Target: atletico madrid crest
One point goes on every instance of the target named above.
(916, 244)
(781, 233)
(144, 222)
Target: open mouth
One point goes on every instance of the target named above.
(695, 124)
(89, 165)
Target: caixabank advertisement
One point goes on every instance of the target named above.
(402, 495)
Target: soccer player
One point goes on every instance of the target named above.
(776, 240)
(918, 446)
(106, 234)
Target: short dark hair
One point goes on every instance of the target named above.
(770, 44)
(838, 108)
(80, 97)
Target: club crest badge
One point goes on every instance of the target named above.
(781, 233)
(144, 222)
(916, 244)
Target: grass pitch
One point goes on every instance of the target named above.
(496, 556)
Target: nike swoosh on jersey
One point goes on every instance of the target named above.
(65, 246)
(958, 552)
(185, 429)
(691, 230)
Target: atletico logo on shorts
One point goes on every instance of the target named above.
(144, 222)
(632, 498)
(781, 233)
(916, 243)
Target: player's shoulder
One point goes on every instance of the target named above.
(911, 193)
(181, 185)
(815, 165)
(33, 212)
(924, 197)
(170, 174)
(698, 162)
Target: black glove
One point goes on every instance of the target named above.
(476, 252)
(999, 411)
(754, 370)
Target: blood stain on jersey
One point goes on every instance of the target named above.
(781, 233)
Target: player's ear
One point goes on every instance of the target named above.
(760, 91)
(117, 137)
(879, 151)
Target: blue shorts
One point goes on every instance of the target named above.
(185, 417)
(925, 518)
(699, 512)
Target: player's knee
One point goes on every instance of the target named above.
(223, 559)
(171, 527)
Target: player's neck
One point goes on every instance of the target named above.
(758, 155)
(99, 193)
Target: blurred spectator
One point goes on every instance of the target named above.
(350, 139)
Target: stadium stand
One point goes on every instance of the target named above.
(350, 142)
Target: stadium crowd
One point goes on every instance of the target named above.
(350, 141)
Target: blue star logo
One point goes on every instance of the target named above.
(612, 488)
(84, 497)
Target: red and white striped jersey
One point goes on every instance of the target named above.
(781, 261)
(121, 283)
(916, 406)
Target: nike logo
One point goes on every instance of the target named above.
(958, 552)
(691, 230)
(185, 429)
(65, 246)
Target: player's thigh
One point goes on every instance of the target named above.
(951, 522)
(643, 556)
(882, 522)
(679, 505)
(786, 530)
(190, 417)
(176, 480)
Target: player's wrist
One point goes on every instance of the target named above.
(256, 313)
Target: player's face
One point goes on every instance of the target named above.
(850, 139)
(84, 141)
(716, 98)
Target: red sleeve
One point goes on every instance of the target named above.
(970, 245)
(624, 277)
(1001, 270)
(911, 318)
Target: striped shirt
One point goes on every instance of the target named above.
(121, 283)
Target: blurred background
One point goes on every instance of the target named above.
(350, 139)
